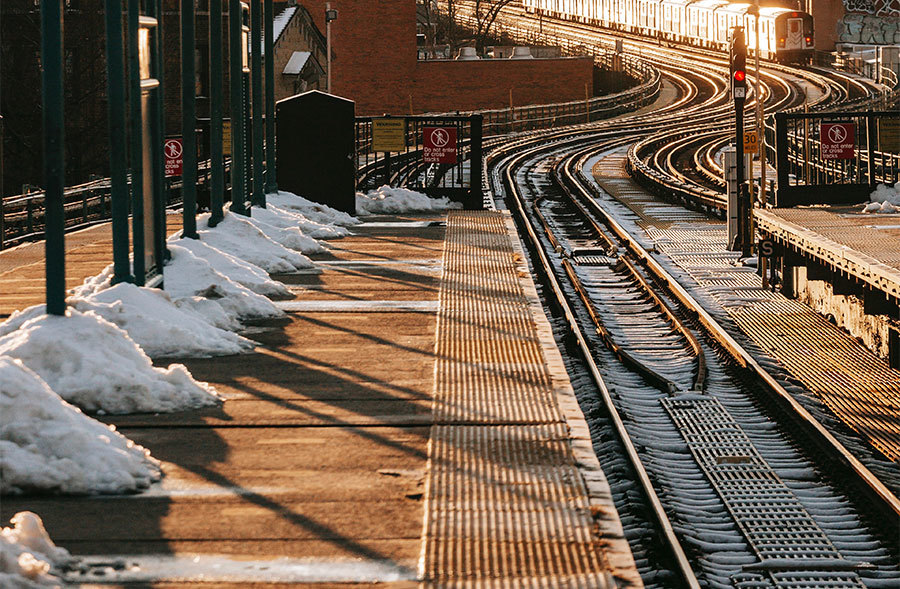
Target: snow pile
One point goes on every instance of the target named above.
(387, 200)
(284, 217)
(27, 554)
(93, 364)
(238, 270)
(885, 199)
(152, 320)
(313, 211)
(48, 445)
(238, 236)
(286, 234)
(195, 283)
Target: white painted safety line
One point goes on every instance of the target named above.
(358, 306)
(396, 224)
(425, 262)
(122, 568)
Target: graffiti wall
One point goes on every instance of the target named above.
(870, 22)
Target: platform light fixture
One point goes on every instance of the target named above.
(331, 15)
(245, 37)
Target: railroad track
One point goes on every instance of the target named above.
(672, 161)
(738, 493)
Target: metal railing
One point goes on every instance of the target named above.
(460, 180)
(813, 172)
(84, 204)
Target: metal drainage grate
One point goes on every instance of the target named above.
(793, 550)
(595, 260)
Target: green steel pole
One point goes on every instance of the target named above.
(188, 120)
(118, 148)
(217, 169)
(54, 153)
(160, 189)
(137, 145)
(259, 194)
(235, 62)
(271, 180)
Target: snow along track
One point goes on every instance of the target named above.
(744, 496)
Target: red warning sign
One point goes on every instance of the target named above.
(439, 145)
(838, 140)
(174, 152)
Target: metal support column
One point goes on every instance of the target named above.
(235, 63)
(217, 165)
(271, 180)
(782, 163)
(475, 164)
(54, 153)
(256, 80)
(137, 143)
(188, 120)
(118, 148)
(157, 128)
(871, 141)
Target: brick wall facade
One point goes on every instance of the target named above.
(375, 65)
(441, 86)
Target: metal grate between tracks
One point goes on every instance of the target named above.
(793, 550)
(506, 505)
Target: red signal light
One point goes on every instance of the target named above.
(809, 40)
(739, 75)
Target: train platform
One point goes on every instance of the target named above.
(853, 384)
(863, 246)
(409, 423)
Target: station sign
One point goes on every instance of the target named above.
(766, 248)
(751, 142)
(388, 134)
(838, 140)
(439, 145)
(226, 138)
(173, 150)
(889, 134)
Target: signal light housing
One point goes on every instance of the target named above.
(738, 64)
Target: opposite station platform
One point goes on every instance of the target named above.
(409, 423)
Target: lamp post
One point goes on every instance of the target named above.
(330, 15)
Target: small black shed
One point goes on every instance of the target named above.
(316, 148)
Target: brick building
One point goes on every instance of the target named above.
(374, 63)
(299, 52)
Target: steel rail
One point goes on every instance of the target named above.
(509, 165)
(879, 491)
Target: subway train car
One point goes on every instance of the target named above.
(784, 34)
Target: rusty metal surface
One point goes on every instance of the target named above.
(507, 504)
(866, 246)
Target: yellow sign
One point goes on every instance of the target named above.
(751, 142)
(226, 138)
(889, 135)
(389, 134)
